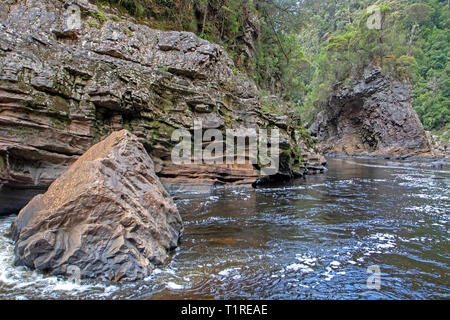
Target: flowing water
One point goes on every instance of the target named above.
(314, 238)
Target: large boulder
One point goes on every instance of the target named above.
(108, 215)
(371, 115)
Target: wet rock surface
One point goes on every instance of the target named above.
(108, 216)
(68, 79)
(371, 115)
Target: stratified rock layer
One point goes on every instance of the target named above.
(68, 79)
(371, 115)
(108, 216)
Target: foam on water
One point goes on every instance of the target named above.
(312, 239)
(299, 267)
(226, 272)
(174, 286)
(34, 284)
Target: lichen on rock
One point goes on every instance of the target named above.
(65, 86)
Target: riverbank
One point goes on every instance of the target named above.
(384, 157)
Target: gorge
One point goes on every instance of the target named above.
(89, 103)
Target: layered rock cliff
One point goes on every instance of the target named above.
(70, 75)
(371, 115)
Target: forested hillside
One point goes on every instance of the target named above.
(300, 50)
(413, 43)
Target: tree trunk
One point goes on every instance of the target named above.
(204, 18)
(277, 37)
(223, 24)
(411, 39)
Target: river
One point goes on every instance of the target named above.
(314, 238)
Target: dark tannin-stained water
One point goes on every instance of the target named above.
(314, 238)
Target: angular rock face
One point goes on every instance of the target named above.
(68, 79)
(108, 216)
(372, 115)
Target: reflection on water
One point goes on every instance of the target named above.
(313, 238)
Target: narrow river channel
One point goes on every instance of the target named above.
(313, 238)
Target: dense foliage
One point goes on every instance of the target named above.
(412, 43)
(300, 50)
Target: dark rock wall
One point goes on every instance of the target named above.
(371, 115)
